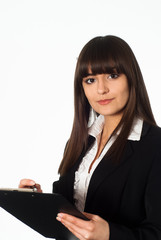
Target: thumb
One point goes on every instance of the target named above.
(89, 215)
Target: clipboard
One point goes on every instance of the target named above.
(39, 211)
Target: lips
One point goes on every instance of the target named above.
(105, 101)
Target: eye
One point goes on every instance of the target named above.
(113, 76)
(89, 80)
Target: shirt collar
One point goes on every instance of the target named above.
(136, 130)
(97, 126)
(135, 133)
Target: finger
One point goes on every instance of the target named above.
(26, 183)
(91, 216)
(73, 220)
(88, 215)
(79, 232)
(77, 226)
(38, 187)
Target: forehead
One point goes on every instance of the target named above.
(100, 57)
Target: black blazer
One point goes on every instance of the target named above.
(126, 194)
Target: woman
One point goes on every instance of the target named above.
(111, 167)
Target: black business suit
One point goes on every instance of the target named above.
(126, 194)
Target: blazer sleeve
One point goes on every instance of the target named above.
(64, 187)
(149, 228)
(56, 187)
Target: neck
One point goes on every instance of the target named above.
(111, 123)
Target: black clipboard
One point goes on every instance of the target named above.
(39, 211)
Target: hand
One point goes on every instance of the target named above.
(28, 183)
(95, 229)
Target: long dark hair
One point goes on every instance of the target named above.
(103, 54)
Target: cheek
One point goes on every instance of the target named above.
(124, 96)
(91, 99)
(88, 94)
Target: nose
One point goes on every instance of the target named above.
(102, 87)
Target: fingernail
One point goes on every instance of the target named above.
(60, 215)
(59, 219)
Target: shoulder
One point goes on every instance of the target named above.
(151, 134)
(147, 151)
(151, 130)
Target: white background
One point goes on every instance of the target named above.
(39, 45)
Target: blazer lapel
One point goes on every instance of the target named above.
(105, 168)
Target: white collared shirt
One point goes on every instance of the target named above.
(82, 175)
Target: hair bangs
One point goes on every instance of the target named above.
(100, 59)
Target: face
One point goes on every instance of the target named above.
(107, 93)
